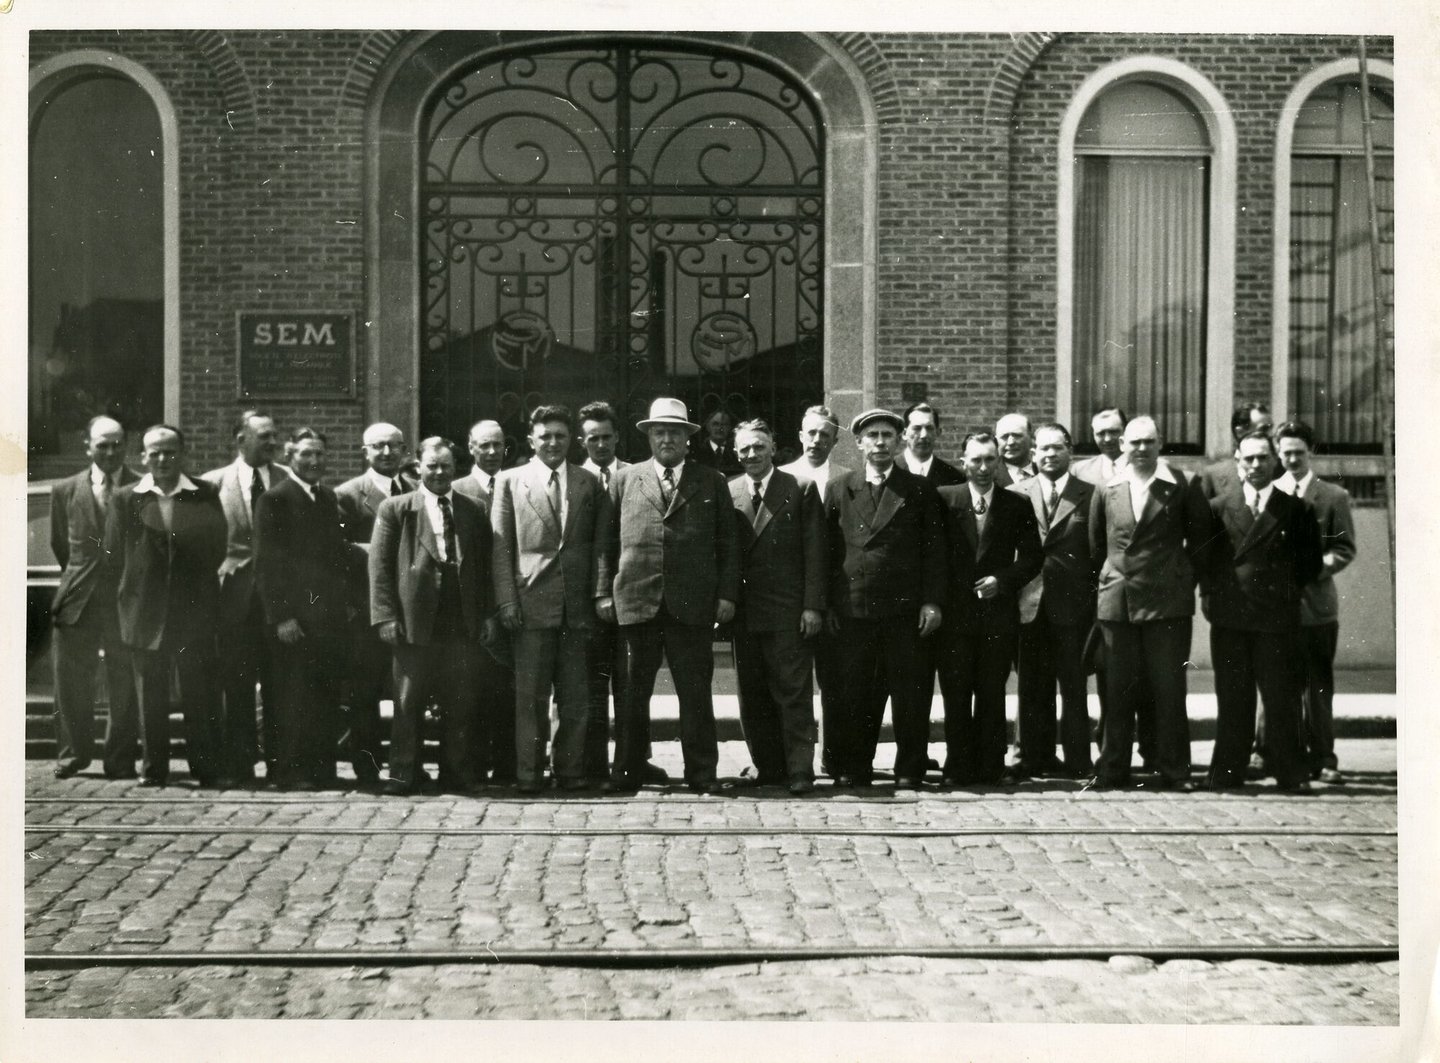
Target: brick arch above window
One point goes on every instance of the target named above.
(1005, 85)
(237, 94)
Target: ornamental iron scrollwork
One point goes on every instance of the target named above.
(620, 221)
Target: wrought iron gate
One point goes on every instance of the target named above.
(619, 222)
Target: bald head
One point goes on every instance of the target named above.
(384, 448)
(487, 446)
(1013, 433)
(105, 444)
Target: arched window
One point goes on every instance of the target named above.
(1331, 366)
(1147, 251)
(97, 335)
(1142, 164)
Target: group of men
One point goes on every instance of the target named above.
(477, 598)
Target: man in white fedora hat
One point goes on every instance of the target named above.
(677, 575)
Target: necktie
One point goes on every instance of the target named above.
(448, 521)
(757, 503)
(102, 493)
(667, 487)
(553, 493)
(605, 477)
(1255, 504)
(980, 506)
(1052, 504)
(395, 488)
(876, 487)
(257, 488)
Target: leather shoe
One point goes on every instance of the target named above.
(620, 785)
(1179, 786)
(845, 781)
(1099, 785)
(1332, 777)
(703, 787)
(1298, 786)
(654, 774)
(906, 782)
(801, 786)
(150, 783)
(68, 771)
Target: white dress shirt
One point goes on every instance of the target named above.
(98, 481)
(1140, 489)
(674, 472)
(1287, 483)
(437, 519)
(1251, 494)
(976, 497)
(606, 474)
(166, 502)
(382, 483)
(918, 467)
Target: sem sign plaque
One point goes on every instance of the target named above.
(297, 354)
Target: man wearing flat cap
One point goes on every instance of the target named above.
(887, 576)
(676, 562)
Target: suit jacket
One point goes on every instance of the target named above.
(1319, 603)
(405, 566)
(1258, 566)
(782, 552)
(1148, 568)
(469, 486)
(168, 597)
(1066, 584)
(800, 469)
(1218, 478)
(615, 466)
(553, 574)
(941, 473)
(1097, 469)
(304, 565)
(726, 461)
(237, 573)
(886, 560)
(1003, 477)
(685, 557)
(1008, 548)
(359, 500)
(77, 533)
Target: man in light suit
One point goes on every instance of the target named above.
(430, 594)
(1148, 531)
(1017, 463)
(1057, 610)
(495, 663)
(165, 538)
(922, 432)
(550, 520)
(1265, 550)
(1319, 602)
(819, 431)
(677, 575)
(83, 612)
(780, 612)
(994, 551)
(358, 500)
(247, 658)
(305, 569)
(887, 558)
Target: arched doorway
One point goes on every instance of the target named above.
(620, 219)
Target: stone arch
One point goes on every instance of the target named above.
(418, 62)
(237, 94)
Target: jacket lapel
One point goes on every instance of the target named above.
(769, 502)
(860, 492)
(1156, 499)
(1260, 527)
(373, 497)
(689, 484)
(535, 484)
(967, 522)
(1121, 511)
(987, 530)
(891, 500)
(650, 484)
(423, 531)
(1066, 506)
(232, 499)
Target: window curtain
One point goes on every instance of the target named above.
(1334, 366)
(1140, 262)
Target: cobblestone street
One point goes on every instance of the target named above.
(740, 877)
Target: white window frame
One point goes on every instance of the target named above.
(1220, 274)
(1280, 311)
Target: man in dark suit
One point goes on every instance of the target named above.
(677, 575)
(994, 552)
(83, 611)
(1148, 532)
(430, 599)
(1266, 549)
(1220, 477)
(782, 607)
(495, 663)
(922, 432)
(886, 530)
(1319, 602)
(358, 500)
(305, 569)
(165, 536)
(1017, 463)
(550, 520)
(246, 659)
(715, 447)
(1057, 611)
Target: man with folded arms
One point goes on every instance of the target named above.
(780, 611)
(549, 519)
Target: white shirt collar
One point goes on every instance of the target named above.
(543, 471)
(1287, 483)
(381, 482)
(97, 477)
(976, 493)
(660, 471)
(1045, 482)
(432, 496)
(147, 483)
(1162, 472)
(1028, 469)
(875, 476)
(764, 482)
(1263, 493)
(918, 467)
(309, 489)
(816, 472)
(483, 478)
(247, 472)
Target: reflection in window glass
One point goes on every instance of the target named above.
(96, 266)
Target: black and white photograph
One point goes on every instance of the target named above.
(818, 533)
